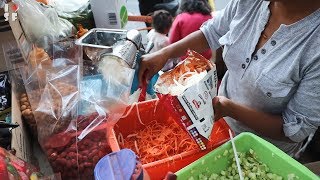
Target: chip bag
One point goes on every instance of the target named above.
(12, 167)
(187, 92)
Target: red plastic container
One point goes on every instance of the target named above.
(155, 110)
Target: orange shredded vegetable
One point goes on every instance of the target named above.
(193, 63)
(81, 31)
(159, 141)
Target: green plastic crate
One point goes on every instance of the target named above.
(278, 161)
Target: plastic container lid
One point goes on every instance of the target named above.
(118, 165)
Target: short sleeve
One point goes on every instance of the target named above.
(150, 35)
(218, 26)
(302, 115)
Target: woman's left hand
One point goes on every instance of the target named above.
(220, 106)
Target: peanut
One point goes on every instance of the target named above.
(24, 99)
(23, 107)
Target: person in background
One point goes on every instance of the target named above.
(271, 50)
(162, 21)
(192, 14)
(146, 7)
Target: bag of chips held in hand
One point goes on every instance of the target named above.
(188, 91)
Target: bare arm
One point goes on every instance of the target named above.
(266, 124)
(195, 41)
(154, 62)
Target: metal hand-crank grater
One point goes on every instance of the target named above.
(98, 43)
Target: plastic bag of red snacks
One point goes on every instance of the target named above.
(72, 112)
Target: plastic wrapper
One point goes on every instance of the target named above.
(51, 29)
(12, 168)
(73, 112)
(14, 61)
(188, 91)
(75, 11)
(5, 96)
(74, 152)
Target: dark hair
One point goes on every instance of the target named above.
(161, 21)
(195, 6)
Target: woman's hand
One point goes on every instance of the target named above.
(265, 124)
(220, 106)
(151, 64)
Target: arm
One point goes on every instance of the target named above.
(266, 124)
(207, 37)
(152, 63)
(195, 41)
(300, 118)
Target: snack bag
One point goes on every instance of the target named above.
(188, 91)
(12, 167)
(5, 96)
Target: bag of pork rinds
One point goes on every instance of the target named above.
(187, 92)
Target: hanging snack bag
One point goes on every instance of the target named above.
(5, 95)
(188, 91)
(12, 167)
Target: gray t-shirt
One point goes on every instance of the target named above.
(282, 77)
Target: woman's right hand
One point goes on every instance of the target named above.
(150, 65)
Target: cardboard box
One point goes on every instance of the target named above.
(21, 139)
(27, 148)
(109, 13)
(19, 35)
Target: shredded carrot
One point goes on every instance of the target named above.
(136, 146)
(129, 110)
(193, 64)
(81, 31)
(120, 139)
(131, 135)
(138, 114)
(156, 106)
(159, 141)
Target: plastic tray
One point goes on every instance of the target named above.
(278, 161)
(153, 110)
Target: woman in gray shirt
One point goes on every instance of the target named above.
(272, 51)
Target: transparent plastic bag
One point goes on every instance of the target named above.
(41, 23)
(51, 79)
(73, 113)
(12, 167)
(75, 11)
(14, 61)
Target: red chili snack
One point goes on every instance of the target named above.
(77, 159)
